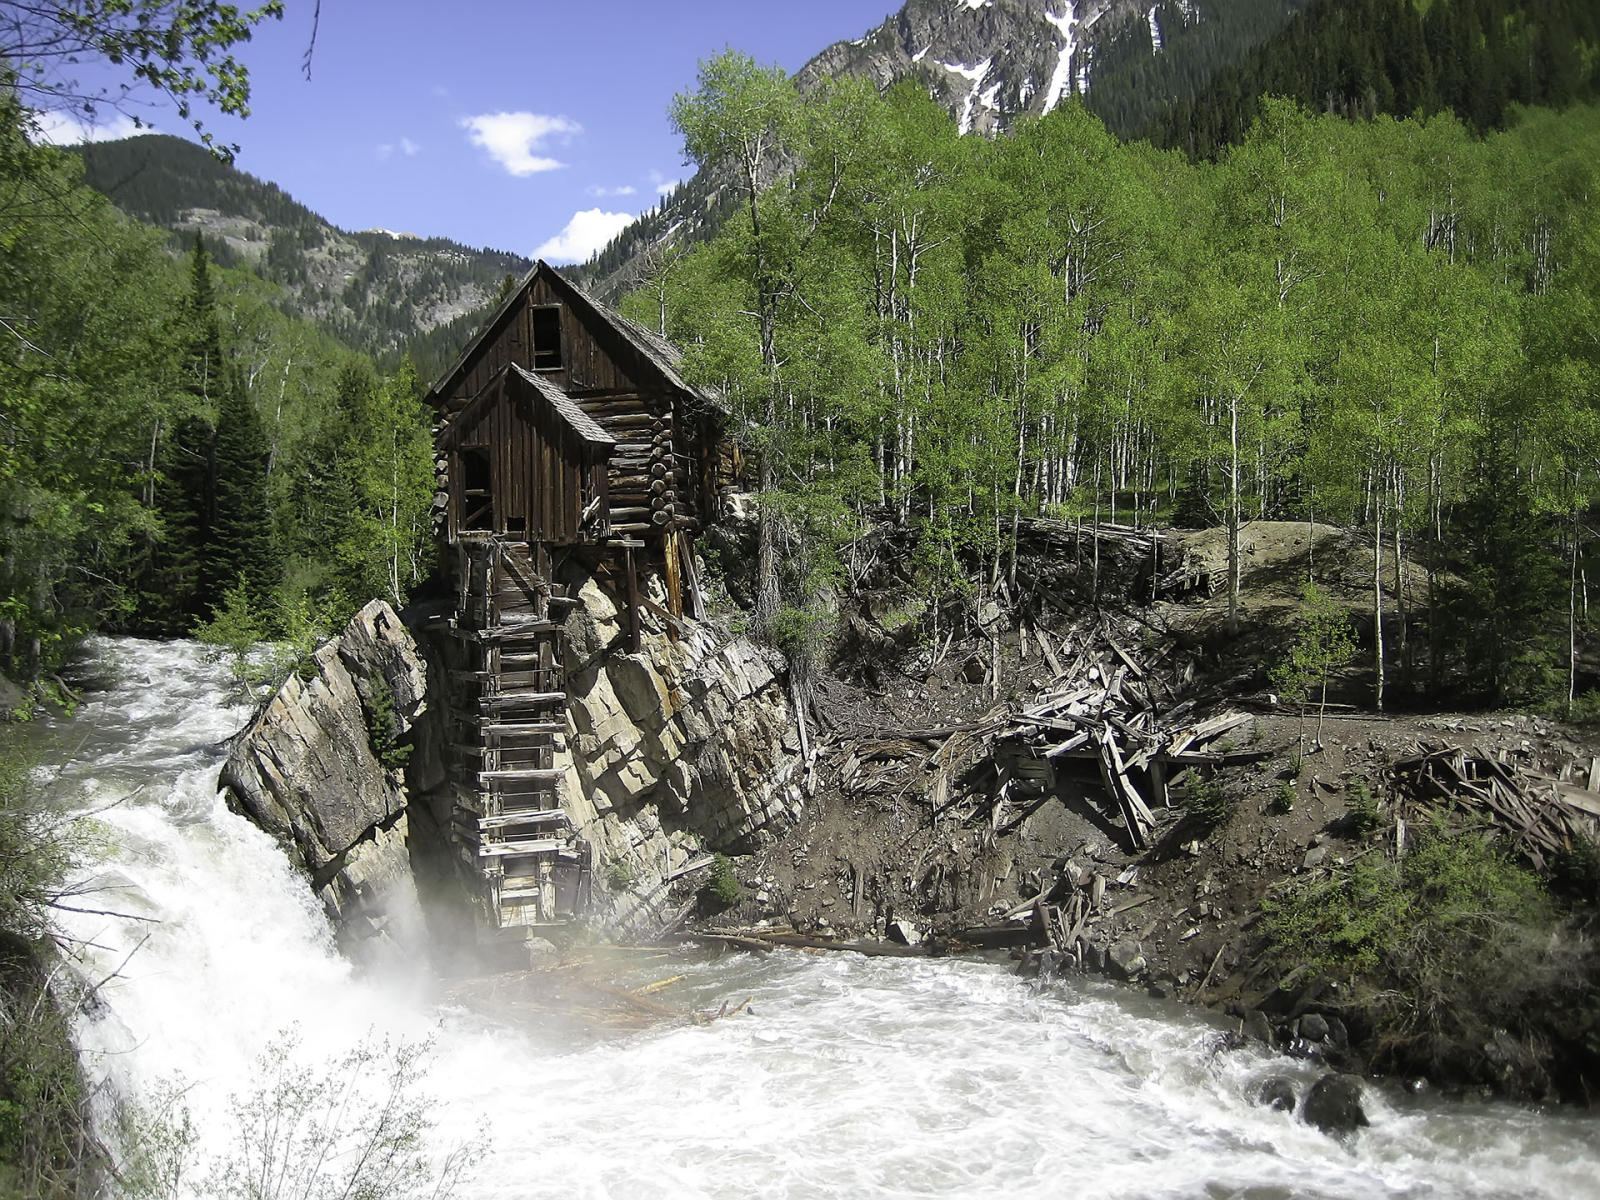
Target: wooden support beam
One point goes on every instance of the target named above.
(529, 775)
(515, 700)
(520, 728)
(633, 600)
(537, 816)
(530, 846)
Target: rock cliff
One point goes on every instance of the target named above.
(681, 749)
(320, 767)
(684, 748)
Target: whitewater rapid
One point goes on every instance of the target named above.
(848, 1077)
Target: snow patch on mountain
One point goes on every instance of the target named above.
(975, 76)
(1067, 23)
(1155, 29)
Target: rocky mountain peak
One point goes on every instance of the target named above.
(989, 61)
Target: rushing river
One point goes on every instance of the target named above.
(848, 1077)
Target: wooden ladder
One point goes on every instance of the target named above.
(533, 865)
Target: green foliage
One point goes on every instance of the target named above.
(1439, 950)
(178, 49)
(1575, 871)
(356, 1127)
(1585, 708)
(1282, 802)
(619, 875)
(1362, 814)
(43, 1104)
(1507, 580)
(1358, 58)
(1209, 802)
(383, 726)
(1322, 645)
(722, 888)
(265, 644)
(1322, 323)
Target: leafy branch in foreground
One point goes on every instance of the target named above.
(354, 1129)
(180, 50)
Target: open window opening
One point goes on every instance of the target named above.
(477, 491)
(547, 338)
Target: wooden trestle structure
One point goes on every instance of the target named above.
(563, 430)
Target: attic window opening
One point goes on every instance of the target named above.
(547, 338)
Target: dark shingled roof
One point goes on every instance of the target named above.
(582, 423)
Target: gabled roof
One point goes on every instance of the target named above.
(660, 354)
(582, 424)
(566, 409)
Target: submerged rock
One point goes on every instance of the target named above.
(1277, 1094)
(1334, 1106)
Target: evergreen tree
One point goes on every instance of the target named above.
(240, 546)
(1507, 581)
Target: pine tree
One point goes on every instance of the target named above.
(1508, 579)
(240, 546)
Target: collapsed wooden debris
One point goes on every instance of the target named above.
(1104, 709)
(1542, 814)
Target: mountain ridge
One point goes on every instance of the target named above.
(376, 290)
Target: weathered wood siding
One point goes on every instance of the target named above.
(667, 470)
(541, 475)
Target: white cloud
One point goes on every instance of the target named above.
(584, 237)
(512, 138)
(626, 189)
(65, 129)
(663, 184)
(406, 146)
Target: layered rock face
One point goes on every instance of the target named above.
(320, 768)
(683, 748)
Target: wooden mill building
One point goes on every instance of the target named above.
(564, 429)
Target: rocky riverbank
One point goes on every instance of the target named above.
(898, 845)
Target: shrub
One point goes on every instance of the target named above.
(1438, 952)
(722, 887)
(1363, 815)
(1283, 802)
(619, 875)
(383, 726)
(1209, 803)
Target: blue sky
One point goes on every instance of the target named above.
(537, 127)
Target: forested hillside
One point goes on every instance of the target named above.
(1359, 58)
(1385, 323)
(173, 447)
(375, 291)
(1181, 73)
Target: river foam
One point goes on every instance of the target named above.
(847, 1077)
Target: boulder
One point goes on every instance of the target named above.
(1314, 1027)
(904, 932)
(1257, 1026)
(1333, 1105)
(1276, 1093)
(1125, 960)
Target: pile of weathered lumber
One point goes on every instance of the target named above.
(1540, 813)
(1102, 709)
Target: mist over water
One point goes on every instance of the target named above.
(848, 1077)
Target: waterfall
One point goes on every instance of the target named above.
(846, 1076)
